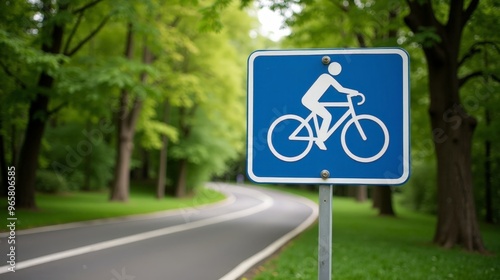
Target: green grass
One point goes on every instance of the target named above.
(84, 206)
(366, 246)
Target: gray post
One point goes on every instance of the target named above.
(325, 233)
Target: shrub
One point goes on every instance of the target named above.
(420, 193)
(85, 162)
(49, 182)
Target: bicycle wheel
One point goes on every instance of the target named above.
(376, 138)
(287, 129)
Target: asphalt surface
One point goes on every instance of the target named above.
(220, 241)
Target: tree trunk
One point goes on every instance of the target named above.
(180, 190)
(185, 130)
(13, 145)
(457, 222)
(385, 206)
(4, 185)
(87, 173)
(487, 175)
(37, 118)
(452, 127)
(126, 122)
(382, 200)
(28, 157)
(145, 165)
(361, 193)
(488, 192)
(125, 145)
(120, 189)
(162, 169)
(375, 197)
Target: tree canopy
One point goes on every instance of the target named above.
(86, 80)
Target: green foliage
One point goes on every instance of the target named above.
(206, 90)
(198, 175)
(150, 130)
(426, 37)
(420, 192)
(50, 182)
(198, 72)
(211, 19)
(77, 152)
(327, 24)
(481, 52)
(19, 49)
(201, 76)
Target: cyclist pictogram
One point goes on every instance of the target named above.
(304, 132)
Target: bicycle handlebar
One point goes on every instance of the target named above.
(362, 98)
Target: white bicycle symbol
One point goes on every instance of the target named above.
(310, 138)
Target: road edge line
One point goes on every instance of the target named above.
(267, 202)
(119, 219)
(276, 245)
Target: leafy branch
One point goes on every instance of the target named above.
(475, 74)
(88, 37)
(73, 32)
(87, 6)
(476, 48)
(12, 75)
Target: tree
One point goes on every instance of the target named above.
(126, 120)
(209, 100)
(382, 200)
(162, 166)
(480, 98)
(195, 70)
(57, 65)
(142, 23)
(4, 184)
(452, 126)
(56, 18)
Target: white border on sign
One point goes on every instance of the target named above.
(362, 181)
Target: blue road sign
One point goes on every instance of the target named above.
(343, 113)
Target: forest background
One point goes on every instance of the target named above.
(96, 93)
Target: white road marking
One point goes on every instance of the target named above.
(267, 202)
(273, 247)
(228, 201)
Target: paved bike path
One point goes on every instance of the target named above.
(204, 243)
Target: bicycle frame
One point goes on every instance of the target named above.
(350, 112)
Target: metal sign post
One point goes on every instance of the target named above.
(325, 233)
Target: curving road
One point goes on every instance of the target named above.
(220, 241)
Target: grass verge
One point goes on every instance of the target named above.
(366, 246)
(85, 206)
